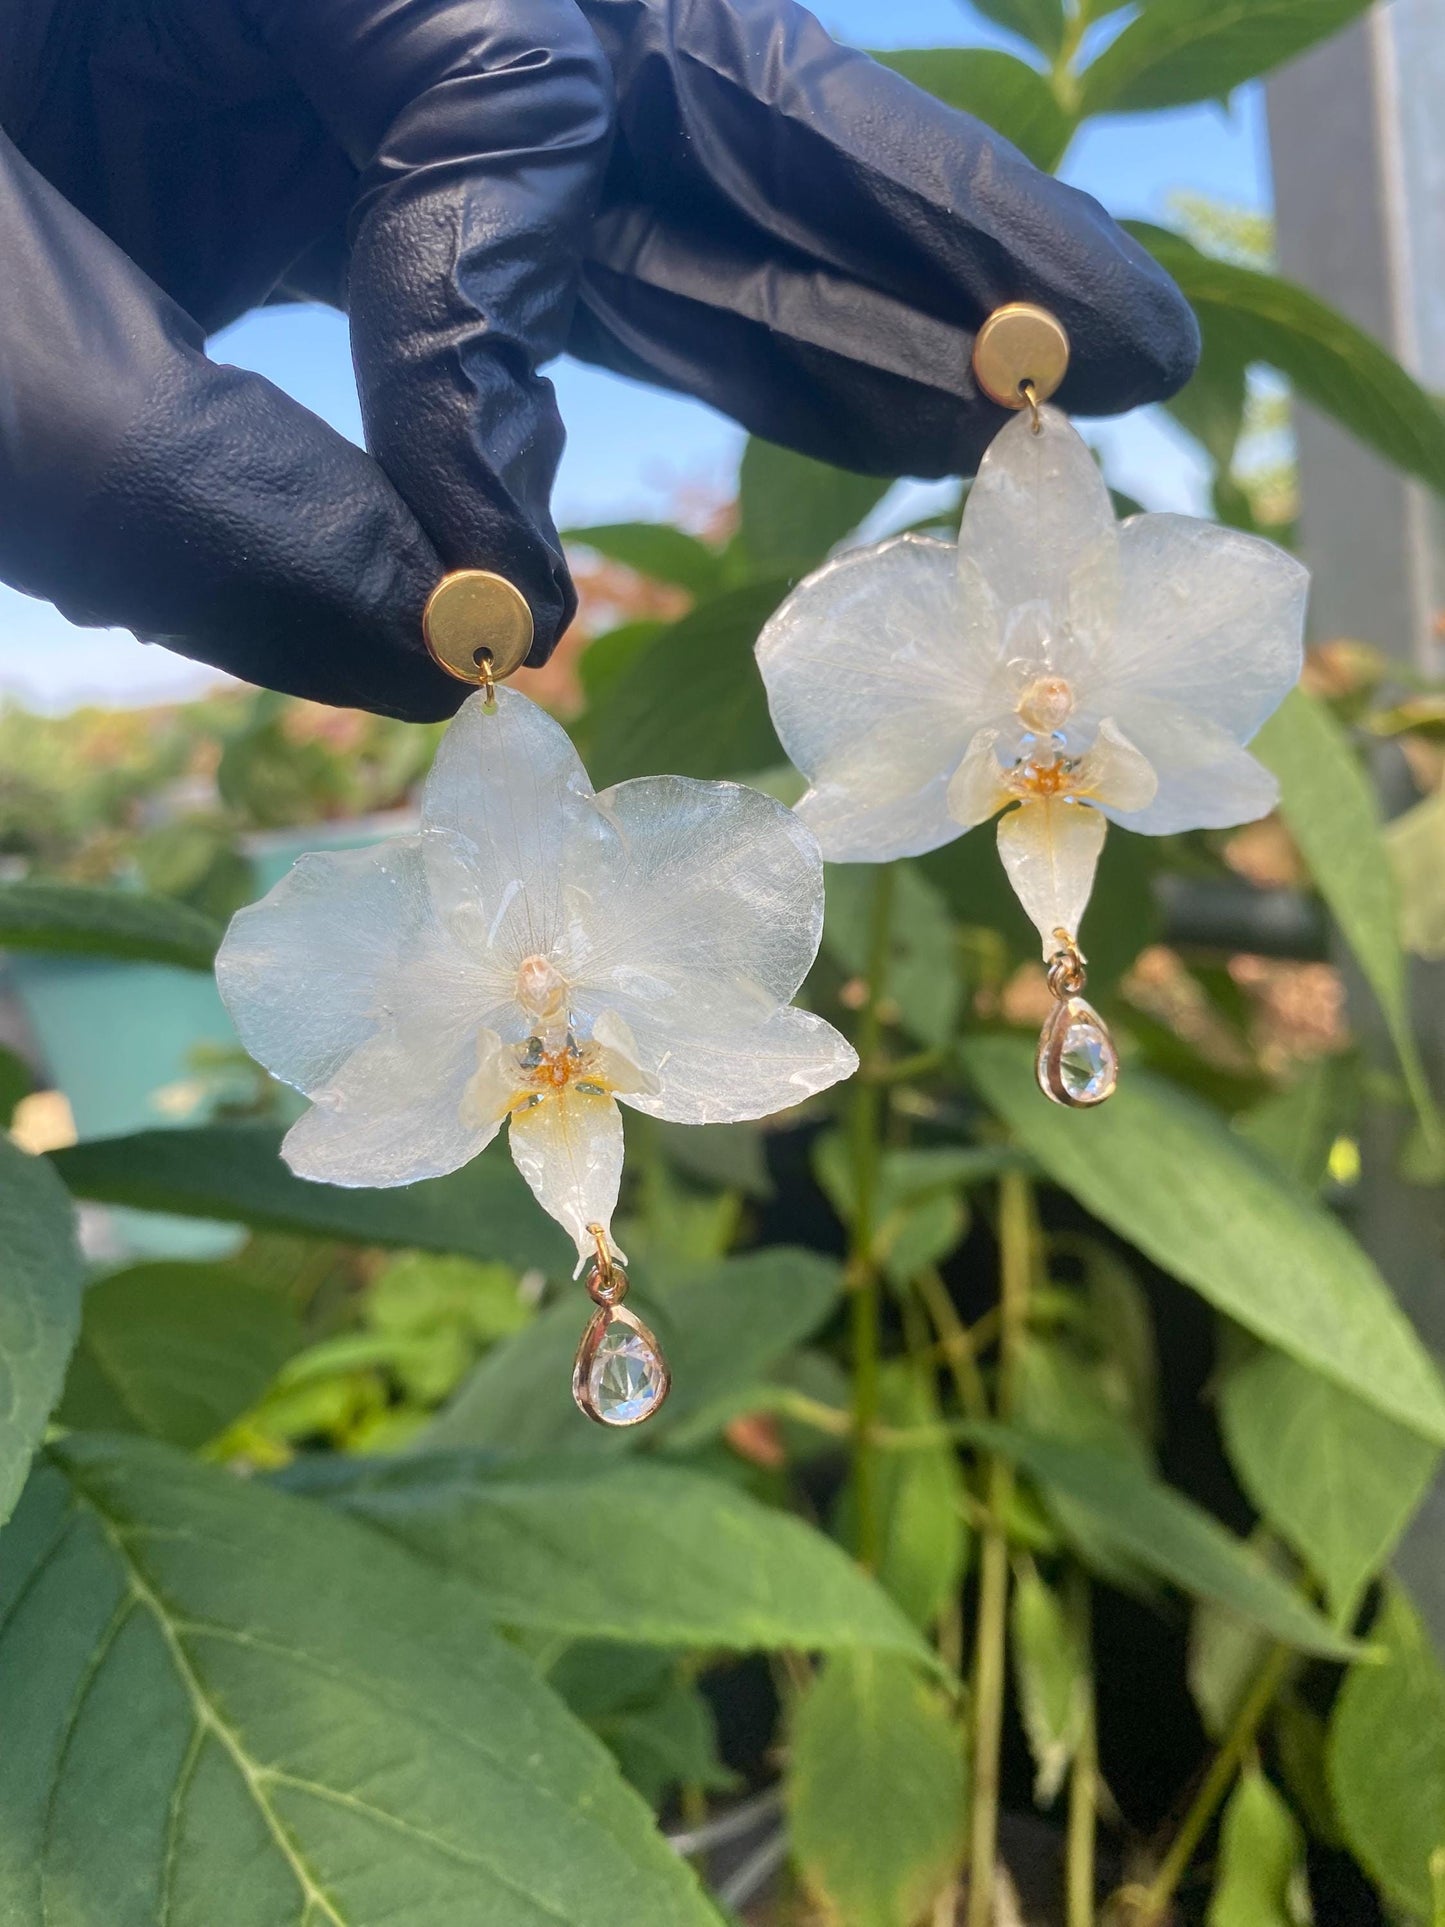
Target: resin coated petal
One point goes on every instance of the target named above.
(617, 1064)
(1210, 621)
(1038, 528)
(977, 790)
(569, 1149)
(310, 972)
(1206, 781)
(874, 697)
(704, 911)
(491, 1090)
(394, 1114)
(1050, 849)
(736, 1075)
(1116, 773)
(510, 789)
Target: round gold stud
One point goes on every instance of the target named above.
(1020, 346)
(477, 625)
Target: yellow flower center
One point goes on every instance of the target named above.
(1041, 780)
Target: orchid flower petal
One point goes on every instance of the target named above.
(714, 899)
(705, 911)
(731, 1076)
(1115, 772)
(1050, 848)
(568, 1146)
(510, 791)
(492, 1090)
(1210, 621)
(977, 790)
(1038, 529)
(873, 697)
(1205, 780)
(304, 972)
(616, 1064)
(395, 1111)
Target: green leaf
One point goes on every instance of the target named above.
(1339, 1482)
(234, 1172)
(1210, 406)
(1225, 1657)
(175, 1351)
(924, 977)
(605, 659)
(1416, 844)
(1331, 811)
(920, 1497)
(1052, 1672)
(723, 1328)
(1177, 51)
(1298, 1127)
(1261, 1855)
(919, 1208)
(81, 921)
(1062, 1393)
(656, 1722)
(996, 88)
(794, 510)
(655, 549)
(41, 1279)
(878, 1790)
(688, 700)
(1387, 1757)
(1167, 1534)
(1165, 1173)
(650, 1554)
(731, 1157)
(1249, 316)
(1040, 22)
(221, 1703)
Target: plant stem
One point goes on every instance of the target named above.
(1150, 1908)
(956, 1342)
(865, 1123)
(1015, 1265)
(1083, 1775)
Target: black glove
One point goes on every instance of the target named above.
(708, 194)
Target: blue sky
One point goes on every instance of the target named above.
(630, 449)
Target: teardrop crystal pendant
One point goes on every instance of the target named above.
(1077, 1064)
(620, 1376)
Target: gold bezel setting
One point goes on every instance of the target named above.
(598, 1326)
(607, 1287)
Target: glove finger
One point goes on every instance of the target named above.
(482, 130)
(143, 486)
(809, 242)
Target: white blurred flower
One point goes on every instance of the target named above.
(535, 952)
(1056, 664)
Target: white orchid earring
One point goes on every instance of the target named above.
(534, 953)
(1056, 665)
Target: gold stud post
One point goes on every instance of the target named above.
(1020, 356)
(477, 626)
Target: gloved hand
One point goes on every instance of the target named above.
(708, 194)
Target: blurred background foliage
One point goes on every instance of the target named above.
(1029, 1480)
